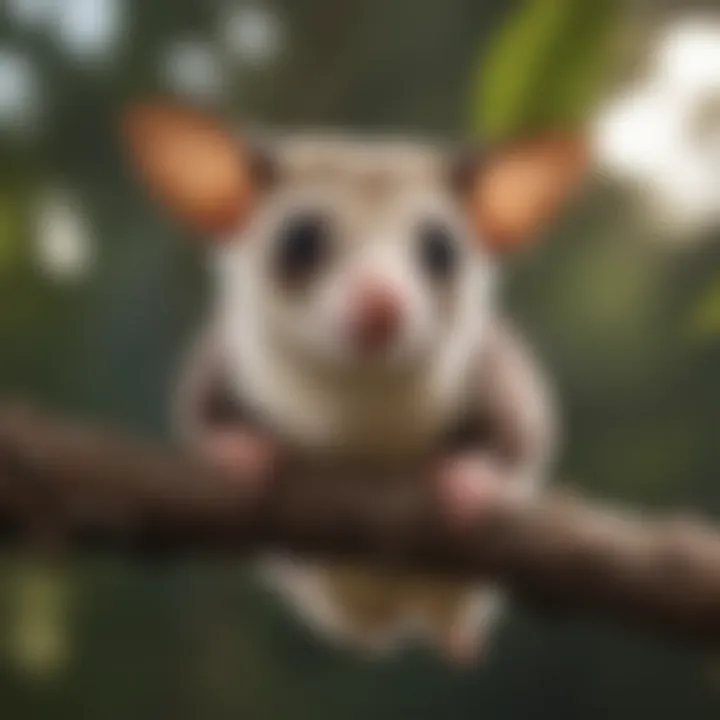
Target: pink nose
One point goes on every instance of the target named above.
(377, 314)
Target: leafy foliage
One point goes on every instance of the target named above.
(546, 67)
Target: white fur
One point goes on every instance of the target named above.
(311, 408)
(291, 363)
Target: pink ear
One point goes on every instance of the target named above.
(198, 169)
(524, 185)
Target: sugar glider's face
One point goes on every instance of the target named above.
(358, 252)
(350, 251)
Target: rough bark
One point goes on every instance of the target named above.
(88, 489)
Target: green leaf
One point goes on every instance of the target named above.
(546, 67)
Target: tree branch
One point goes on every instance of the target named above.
(97, 490)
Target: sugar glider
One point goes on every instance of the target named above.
(355, 311)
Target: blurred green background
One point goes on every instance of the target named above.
(98, 294)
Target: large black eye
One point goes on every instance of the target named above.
(303, 245)
(438, 250)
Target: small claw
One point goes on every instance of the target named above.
(467, 486)
(238, 452)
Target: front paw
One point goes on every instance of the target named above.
(240, 453)
(470, 484)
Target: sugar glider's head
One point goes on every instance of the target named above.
(351, 252)
(358, 254)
